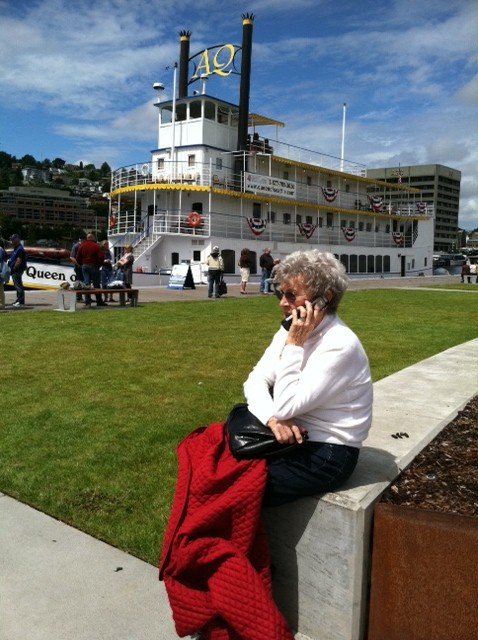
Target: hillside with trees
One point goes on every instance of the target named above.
(83, 180)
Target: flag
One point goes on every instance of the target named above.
(257, 225)
(349, 233)
(306, 229)
(329, 193)
(398, 238)
(376, 203)
(421, 208)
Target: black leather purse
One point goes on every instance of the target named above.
(250, 438)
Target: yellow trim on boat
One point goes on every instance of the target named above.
(166, 186)
(162, 186)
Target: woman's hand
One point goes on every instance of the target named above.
(304, 320)
(286, 431)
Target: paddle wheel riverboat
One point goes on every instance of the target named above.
(217, 178)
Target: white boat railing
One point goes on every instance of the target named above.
(393, 202)
(166, 222)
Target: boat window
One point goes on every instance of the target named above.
(197, 207)
(363, 264)
(343, 224)
(209, 110)
(378, 264)
(286, 175)
(222, 114)
(387, 228)
(386, 264)
(308, 219)
(197, 256)
(329, 184)
(256, 210)
(272, 216)
(352, 224)
(195, 109)
(286, 218)
(425, 262)
(218, 163)
(298, 218)
(369, 226)
(160, 164)
(353, 264)
(370, 264)
(320, 222)
(330, 219)
(166, 115)
(347, 188)
(180, 112)
(309, 181)
(360, 227)
(191, 160)
(174, 258)
(344, 259)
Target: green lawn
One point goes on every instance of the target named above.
(94, 404)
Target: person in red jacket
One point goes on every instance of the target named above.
(90, 257)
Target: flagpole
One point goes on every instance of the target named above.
(342, 151)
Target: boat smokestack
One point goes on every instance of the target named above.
(183, 63)
(247, 23)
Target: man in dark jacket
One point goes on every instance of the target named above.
(266, 262)
(18, 263)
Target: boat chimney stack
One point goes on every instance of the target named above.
(247, 22)
(183, 63)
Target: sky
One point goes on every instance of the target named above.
(76, 77)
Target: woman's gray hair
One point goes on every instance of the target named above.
(320, 273)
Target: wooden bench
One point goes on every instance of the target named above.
(68, 296)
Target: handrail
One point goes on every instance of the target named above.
(136, 176)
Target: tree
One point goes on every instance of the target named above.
(105, 169)
(28, 161)
(5, 160)
(58, 163)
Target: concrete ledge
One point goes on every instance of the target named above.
(321, 547)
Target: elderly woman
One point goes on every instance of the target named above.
(313, 382)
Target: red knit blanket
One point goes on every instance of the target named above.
(215, 559)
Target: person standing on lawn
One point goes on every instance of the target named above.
(90, 257)
(245, 264)
(18, 263)
(125, 263)
(3, 259)
(215, 269)
(266, 262)
(106, 268)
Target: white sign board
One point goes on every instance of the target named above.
(268, 184)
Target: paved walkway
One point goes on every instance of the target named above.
(38, 300)
(57, 583)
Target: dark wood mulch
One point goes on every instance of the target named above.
(444, 476)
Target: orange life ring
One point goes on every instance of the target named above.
(194, 220)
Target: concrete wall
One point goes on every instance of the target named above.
(321, 547)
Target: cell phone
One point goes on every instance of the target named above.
(320, 302)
